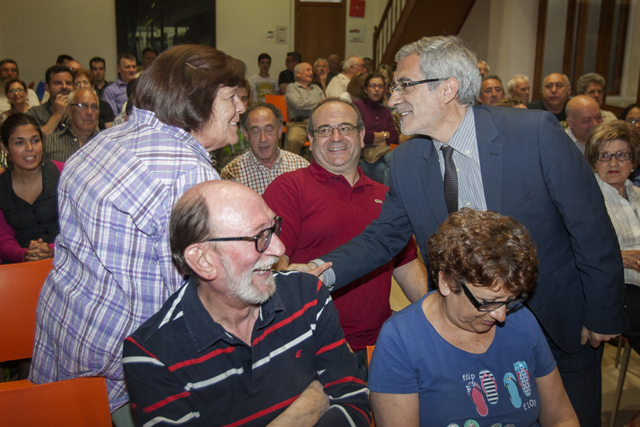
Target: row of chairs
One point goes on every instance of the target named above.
(78, 402)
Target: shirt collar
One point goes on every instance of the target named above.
(205, 332)
(460, 141)
(256, 162)
(323, 175)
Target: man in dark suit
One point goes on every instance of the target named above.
(518, 163)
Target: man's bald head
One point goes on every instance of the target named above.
(583, 114)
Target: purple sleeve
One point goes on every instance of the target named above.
(393, 133)
(10, 250)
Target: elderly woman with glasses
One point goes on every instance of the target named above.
(453, 357)
(380, 129)
(613, 150)
(320, 73)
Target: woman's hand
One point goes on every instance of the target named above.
(631, 260)
(37, 251)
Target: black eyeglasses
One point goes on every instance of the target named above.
(621, 156)
(402, 86)
(493, 305)
(262, 239)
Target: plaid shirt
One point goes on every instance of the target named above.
(112, 266)
(624, 216)
(247, 170)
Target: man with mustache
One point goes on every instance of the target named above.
(52, 115)
(238, 343)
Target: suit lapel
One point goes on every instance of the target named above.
(432, 182)
(490, 151)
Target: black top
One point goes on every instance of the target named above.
(37, 221)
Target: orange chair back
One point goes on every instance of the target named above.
(78, 402)
(280, 103)
(20, 286)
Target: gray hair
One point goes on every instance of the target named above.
(485, 64)
(297, 68)
(447, 57)
(244, 118)
(315, 64)
(311, 126)
(512, 83)
(72, 95)
(189, 224)
(352, 60)
(584, 82)
(564, 76)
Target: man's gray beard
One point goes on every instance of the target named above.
(242, 288)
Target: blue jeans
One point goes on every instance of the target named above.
(582, 380)
(379, 171)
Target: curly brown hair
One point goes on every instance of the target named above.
(484, 249)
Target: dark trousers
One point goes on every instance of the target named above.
(582, 380)
(633, 312)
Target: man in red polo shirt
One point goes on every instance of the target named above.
(332, 201)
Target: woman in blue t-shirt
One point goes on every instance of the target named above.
(451, 358)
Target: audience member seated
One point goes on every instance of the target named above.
(519, 87)
(52, 114)
(287, 76)
(334, 66)
(225, 155)
(368, 65)
(41, 91)
(380, 130)
(83, 79)
(116, 93)
(352, 66)
(113, 267)
(320, 73)
(8, 71)
(594, 85)
(97, 66)
(354, 88)
(333, 194)
(631, 115)
(464, 352)
(262, 84)
(613, 150)
(128, 106)
(387, 74)
(149, 55)
(16, 92)
(583, 114)
(273, 347)
(555, 93)
(262, 127)
(302, 97)
(28, 193)
(82, 110)
(484, 68)
(491, 91)
(511, 103)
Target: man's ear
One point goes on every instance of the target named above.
(202, 261)
(450, 90)
(310, 142)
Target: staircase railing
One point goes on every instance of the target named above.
(387, 33)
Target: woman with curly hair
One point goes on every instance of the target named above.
(452, 357)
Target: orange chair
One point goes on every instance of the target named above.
(278, 101)
(20, 286)
(73, 403)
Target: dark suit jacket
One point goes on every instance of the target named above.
(533, 172)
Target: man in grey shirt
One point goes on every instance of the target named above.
(302, 97)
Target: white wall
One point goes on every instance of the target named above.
(35, 32)
(372, 14)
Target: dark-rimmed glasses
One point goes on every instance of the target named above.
(621, 156)
(402, 86)
(345, 129)
(493, 305)
(262, 239)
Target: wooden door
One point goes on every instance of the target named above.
(320, 29)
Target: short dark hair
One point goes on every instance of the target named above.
(55, 69)
(610, 131)
(8, 61)
(181, 85)
(264, 56)
(295, 55)
(355, 88)
(149, 49)
(97, 59)
(484, 249)
(244, 118)
(509, 102)
(585, 80)
(492, 77)
(189, 224)
(623, 115)
(63, 59)
(126, 56)
(131, 89)
(12, 81)
(374, 75)
(13, 122)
